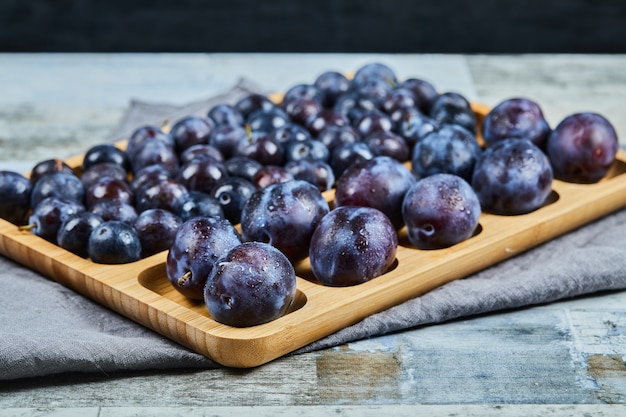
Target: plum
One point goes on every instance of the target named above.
(380, 182)
(414, 126)
(144, 134)
(440, 211)
(352, 105)
(15, 191)
(285, 216)
(347, 155)
(423, 91)
(582, 148)
(241, 166)
(231, 194)
(47, 216)
(516, 118)
(397, 103)
(290, 132)
(512, 177)
(58, 184)
(196, 204)
(252, 103)
(201, 150)
(225, 114)
(452, 107)
(154, 151)
(375, 89)
(201, 174)
(115, 210)
(198, 243)
(300, 109)
(251, 284)
(373, 121)
(300, 91)
(388, 144)
(109, 188)
(324, 118)
(48, 166)
(309, 149)
(267, 120)
(226, 137)
(352, 245)
(114, 242)
(150, 175)
(262, 147)
(336, 136)
(332, 85)
(163, 194)
(105, 153)
(318, 173)
(156, 229)
(271, 174)
(451, 149)
(374, 71)
(73, 234)
(100, 170)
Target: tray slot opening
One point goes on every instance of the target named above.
(303, 270)
(155, 279)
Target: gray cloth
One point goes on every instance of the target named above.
(143, 113)
(46, 328)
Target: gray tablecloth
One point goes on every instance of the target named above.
(46, 328)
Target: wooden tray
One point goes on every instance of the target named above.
(141, 291)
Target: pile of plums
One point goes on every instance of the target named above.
(398, 154)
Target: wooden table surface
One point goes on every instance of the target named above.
(561, 359)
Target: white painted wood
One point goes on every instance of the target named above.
(556, 410)
(52, 412)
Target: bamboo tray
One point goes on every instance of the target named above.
(142, 292)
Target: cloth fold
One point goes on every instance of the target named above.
(146, 113)
(47, 329)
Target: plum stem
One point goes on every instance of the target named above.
(58, 165)
(408, 120)
(248, 131)
(27, 227)
(182, 280)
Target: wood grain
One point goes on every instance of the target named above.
(142, 292)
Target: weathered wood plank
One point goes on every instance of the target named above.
(572, 352)
(555, 410)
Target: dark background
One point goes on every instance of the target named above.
(393, 26)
